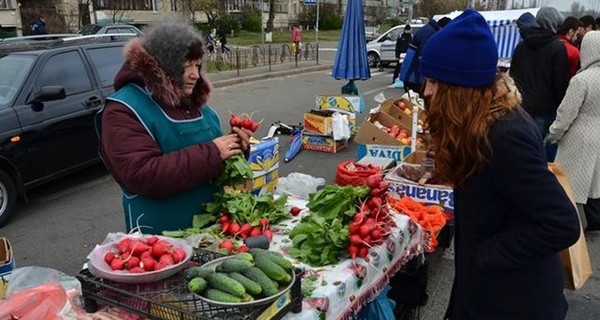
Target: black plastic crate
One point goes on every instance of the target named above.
(170, 299)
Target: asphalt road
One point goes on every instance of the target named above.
(62, 222)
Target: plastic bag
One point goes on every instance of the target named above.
(30, 277)
(299, 185)
(381, 308)
(340, 127)
(45, 301)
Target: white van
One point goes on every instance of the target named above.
(383, 48)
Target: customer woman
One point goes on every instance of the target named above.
(577, 129)
(512, 215)
(158, 137)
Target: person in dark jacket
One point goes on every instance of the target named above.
(540, 68)
(402, 43)
(412, 80)
(38, 26)
(158, 138)
(567, 34)
(512, 215)
(524, 22)
(223, 39)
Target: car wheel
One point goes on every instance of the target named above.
(373, 59)
(8, 197)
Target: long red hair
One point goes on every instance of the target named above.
(459, 119)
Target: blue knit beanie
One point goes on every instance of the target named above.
(463, 53)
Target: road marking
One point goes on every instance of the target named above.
(373, 74)
(327, 49)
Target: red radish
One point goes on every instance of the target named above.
(137, 270)
(148, 263)
(227, 245)
(295, 211)
(159, 266)
(146, 254)
(133, 262)
(166, 259)
(247, 124)
(160, 248)
(138, 247)
(254, 126)
(225, 227)
(384, 185)
(354, 227)
(365, 230)
(151, 240)
(244, 248)
(117, 264)
(235, 121)
(353, 251)
(363, 251)
(375, 192)
(255, 232)
(224, 218)
(377, 202)
(109, 257)
(269, 234)
(364, 207)
(235, 228)
(355, 240)
(178, 255)
(246, 229)
(367, 241)
(373, 181)
(359, 217)
(124, 245)
(370, 221)
(264, 222)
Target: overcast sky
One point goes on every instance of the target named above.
(565, 5)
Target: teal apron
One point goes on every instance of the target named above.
(174, 212)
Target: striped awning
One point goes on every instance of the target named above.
(506, 35)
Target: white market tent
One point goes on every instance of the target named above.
(503, 25)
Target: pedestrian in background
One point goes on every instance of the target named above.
(159, 138)
(512, 214)
(402, 44)
(223, 39)
(410, 73)
(588, 23)
(524, 22)
(296, 38)
(540, 69)
(577, 131)
(38, 26)
(567, 34)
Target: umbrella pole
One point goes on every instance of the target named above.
(317, 32)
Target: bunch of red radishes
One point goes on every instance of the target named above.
(143, 254)
(244, 121)
(372, 224)
(244, 230)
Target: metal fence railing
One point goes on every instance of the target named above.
(257, 55)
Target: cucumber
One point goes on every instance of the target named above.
(197, 285)
(269, 287)
(218, 295)
(224, 283)
(197, 272)
(233, 265)
(271, 269)
(251, 286)
(275, 257)
(244, 256)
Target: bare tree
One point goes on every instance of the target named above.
(577, 10)
(211, 9)
(84, 12)
(429, 8)
(269, 27)
(192, 6)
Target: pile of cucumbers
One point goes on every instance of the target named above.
(244, 277)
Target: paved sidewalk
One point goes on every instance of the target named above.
(227, 78)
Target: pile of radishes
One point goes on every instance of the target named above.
(143, 254)
(372, 224)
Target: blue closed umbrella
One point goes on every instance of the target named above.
(295, 144)
(351, 57)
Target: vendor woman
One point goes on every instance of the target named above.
(158, 137)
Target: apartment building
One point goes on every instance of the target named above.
(10, 19)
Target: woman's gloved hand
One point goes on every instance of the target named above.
(229, 145)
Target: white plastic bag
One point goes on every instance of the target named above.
(379, 98)
(299, 185)
(340, 127)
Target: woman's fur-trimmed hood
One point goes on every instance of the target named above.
(146, 69)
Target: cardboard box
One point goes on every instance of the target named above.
(441, 195)
(7, 259)
(317, 142)
(264, 162)
(321, 121)
(369, 133)
(342, 102)
(396, 153)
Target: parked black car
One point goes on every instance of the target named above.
(49, 94)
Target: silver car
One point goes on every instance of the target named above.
(382, 50)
